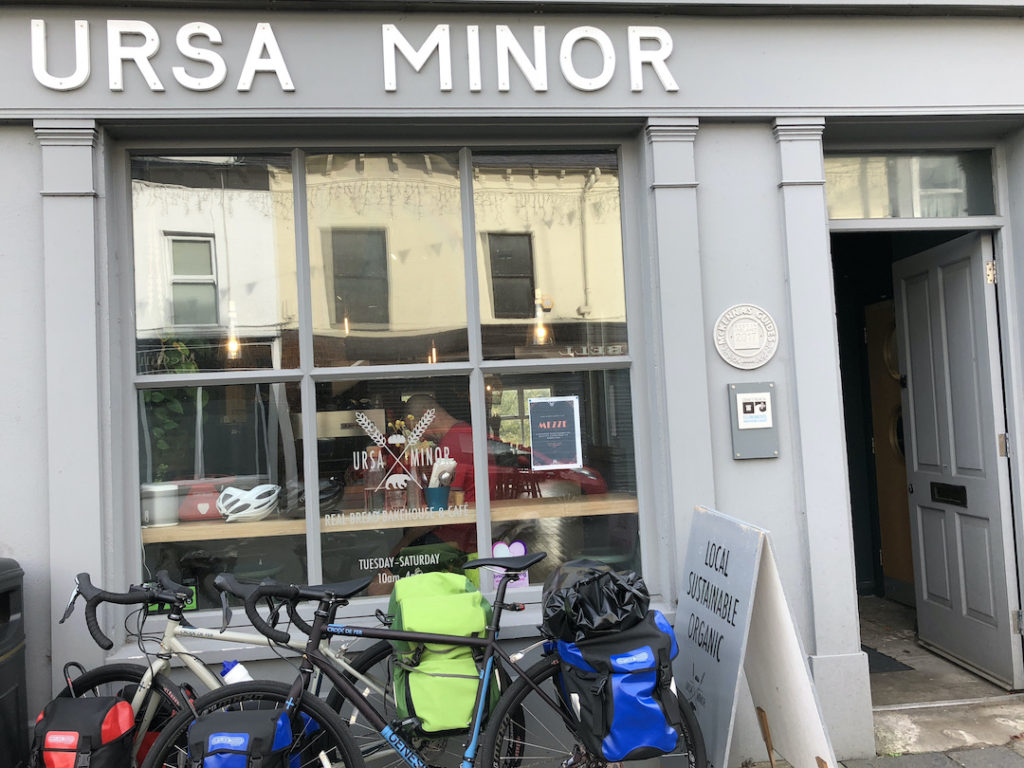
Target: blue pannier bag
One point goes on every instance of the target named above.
(259, 738)
(621, 689)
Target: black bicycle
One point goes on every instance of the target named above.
(529, 724)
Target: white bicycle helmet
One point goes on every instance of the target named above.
(238, 505)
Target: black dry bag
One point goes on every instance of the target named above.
(585, 599)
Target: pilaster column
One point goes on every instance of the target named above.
(839, 665)
(73, 369)
(681, 354)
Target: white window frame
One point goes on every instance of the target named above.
(170, 238)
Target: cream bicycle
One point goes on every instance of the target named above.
(154, 697)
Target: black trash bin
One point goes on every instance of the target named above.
(13, 714)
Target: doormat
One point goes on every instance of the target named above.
(879, 662)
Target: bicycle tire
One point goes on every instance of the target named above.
(122, 680)
(545, 738)
(329, 733)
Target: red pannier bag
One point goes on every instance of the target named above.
(92, 732)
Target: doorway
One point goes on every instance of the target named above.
(903, 670)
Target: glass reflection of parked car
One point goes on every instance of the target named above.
(511, 476)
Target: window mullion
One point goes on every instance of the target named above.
(478, 407)
(310, 470)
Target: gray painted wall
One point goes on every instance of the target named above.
(24, 522)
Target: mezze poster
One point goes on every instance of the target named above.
(555, 433)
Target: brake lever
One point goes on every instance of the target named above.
(71, 603)
(225, 612)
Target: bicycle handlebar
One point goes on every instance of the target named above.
(134, 596)
(292, 594)
(287, 593)
(226, 582)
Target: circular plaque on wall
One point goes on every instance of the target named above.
(746, 336)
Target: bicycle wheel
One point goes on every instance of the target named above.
(123, 680)
(526, 731)
(317, 729)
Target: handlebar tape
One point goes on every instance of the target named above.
(94, 596)
(282, 591)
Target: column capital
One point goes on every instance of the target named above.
(799, 128)
(671, 129)
(69, 132)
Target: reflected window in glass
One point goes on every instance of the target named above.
(904, 185)
(226, 293)
(386, 258)
(554, 220)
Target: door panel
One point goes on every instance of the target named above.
(958, 485)
(924, 418)
(931, 544)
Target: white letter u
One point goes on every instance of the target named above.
(82, 70)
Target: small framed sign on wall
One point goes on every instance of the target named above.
(555, 433)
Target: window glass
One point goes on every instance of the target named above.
(219, 487)
(386, 258)
(191, 257)
(935, 185)
(550, 255)
(194, 304)
(568, 487)
(214, 247)
(511, 275)
(396, 492)
(385, 442)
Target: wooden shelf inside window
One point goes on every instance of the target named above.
(357, 520)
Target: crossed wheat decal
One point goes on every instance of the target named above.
(378, 438)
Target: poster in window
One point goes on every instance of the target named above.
(555, 433)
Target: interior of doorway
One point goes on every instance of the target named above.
(902, 672)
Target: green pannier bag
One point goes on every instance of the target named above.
(437, 683)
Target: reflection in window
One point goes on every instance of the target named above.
(511, 274)
(935, 185)
(563, 294)
(360, 276)
(203, 448)
(396, 489)
(228, 295)
(386, 258)
(194, 289)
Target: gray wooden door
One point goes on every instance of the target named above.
(958, 482)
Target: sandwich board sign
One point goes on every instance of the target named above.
(732, 616)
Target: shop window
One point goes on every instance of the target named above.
(511, 262)
(360, 276)
(895, 185)
(194, 284)
(399, 484)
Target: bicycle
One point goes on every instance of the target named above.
(530, 722)
(154, 697)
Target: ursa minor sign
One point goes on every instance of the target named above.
(203, 53)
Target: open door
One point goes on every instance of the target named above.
(957, 473)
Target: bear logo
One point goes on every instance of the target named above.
(396, 481)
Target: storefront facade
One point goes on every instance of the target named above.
(244, 247)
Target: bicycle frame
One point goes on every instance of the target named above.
(171, 646)
(313, 660)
